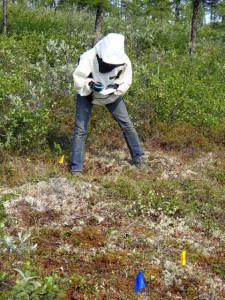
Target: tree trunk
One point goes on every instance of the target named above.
(98, 23)
(194, 25)
(4, 18)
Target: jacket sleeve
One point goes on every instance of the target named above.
(81, 76)
(124, 80)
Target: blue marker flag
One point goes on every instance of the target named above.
(139, 282)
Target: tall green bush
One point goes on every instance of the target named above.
(42, 49)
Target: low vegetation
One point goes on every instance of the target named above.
(86, 237)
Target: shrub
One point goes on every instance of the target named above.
(41, 52)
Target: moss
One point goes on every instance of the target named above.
(47, 239)
(187, 288)
(111, 260)
(89, 237)
(33, 217)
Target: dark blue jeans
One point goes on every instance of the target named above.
(119, 112)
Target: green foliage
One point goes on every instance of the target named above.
(2, 211)
(4, 198)
(31, 96)
(23, 284)
(27, 286)
(41, 52)
(25, 128)
(95, 3)
(176, 198)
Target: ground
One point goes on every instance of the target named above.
(102, 227)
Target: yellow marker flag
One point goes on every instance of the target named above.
(183, 258)
(61, 161)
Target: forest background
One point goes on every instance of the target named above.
(115, 219)
(172, 89)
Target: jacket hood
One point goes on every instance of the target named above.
(111, 49)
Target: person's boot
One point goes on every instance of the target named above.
(74, 173)
(141, 162)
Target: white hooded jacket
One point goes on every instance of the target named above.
(111, 50)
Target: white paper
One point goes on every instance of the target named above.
(107, 91)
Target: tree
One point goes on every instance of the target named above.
(221, 11)
(99, 23)
(159, 10)
(216, 9)
(156, 10)
(4, 18)
(100, 6)
(212, 5)
(194, 24)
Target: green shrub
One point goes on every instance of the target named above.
(21, 282)
(41, 52)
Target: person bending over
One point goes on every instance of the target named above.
(103, 76)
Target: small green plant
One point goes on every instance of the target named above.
(27, 286)
(23, 283)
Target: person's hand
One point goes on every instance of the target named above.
(96, 86)
(113, 86)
